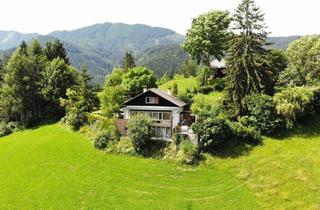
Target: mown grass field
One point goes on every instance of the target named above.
(53, 168)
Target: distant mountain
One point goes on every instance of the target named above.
(282, 42)
(10, 39)
(102, 46)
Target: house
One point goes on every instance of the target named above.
(165, 110)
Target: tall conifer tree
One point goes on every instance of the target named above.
(128, 61)
(247, 54)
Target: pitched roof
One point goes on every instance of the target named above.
(162, 94)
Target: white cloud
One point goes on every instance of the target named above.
(284, 17)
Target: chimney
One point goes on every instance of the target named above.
(169, 92)
(145, 89)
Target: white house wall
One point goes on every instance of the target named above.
(175, 112)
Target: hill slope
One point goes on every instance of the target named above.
(162, 59)
(52, 167)
(10, 39)
(101, 46)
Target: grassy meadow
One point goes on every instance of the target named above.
(182, 83)
(51, 167)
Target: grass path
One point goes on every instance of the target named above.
(53, 168)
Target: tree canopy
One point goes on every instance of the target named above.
(137, 78)
(247, 54)
(208, 36)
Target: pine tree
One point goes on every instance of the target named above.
(19, 95)
(128, 61)
(80, 100)
(247, 54)
(56, 50)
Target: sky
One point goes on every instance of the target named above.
(283, 17)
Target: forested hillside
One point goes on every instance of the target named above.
(162, 59)
(10, 39)
(100, 47)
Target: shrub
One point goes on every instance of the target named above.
(75, 118)
(8, 128)
(292, 103)
(261, 113)
(212, 131)
(203, 102)
(176, 139)
(242, 132)
(102, 140)
(188, 152)
(140, 133)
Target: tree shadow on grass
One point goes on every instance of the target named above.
(307, 128)
(43, 123)
(234, 149)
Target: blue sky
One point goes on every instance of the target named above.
(284, 17)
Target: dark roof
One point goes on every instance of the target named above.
(162, 94)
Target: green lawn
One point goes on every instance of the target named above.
(53, 168)
(183, 83)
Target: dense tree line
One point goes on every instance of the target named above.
(33, 82)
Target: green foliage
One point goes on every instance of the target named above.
(102, 140)
(205, 76)
(187, 96)
(140, 132)
(128, 61)
(276, 63)
(244, 133)
(137, 78)
(188, 153)
(80, 101)
(208, 36)
(203, 102)
(175, 89)
(292, 103)
(261, 113)
(113, 94)
(57, 77)
(188, 68)
(162, 59)
(8, 128)
(304, 65)
(247, 55)
(20, 98)
(54, 49)
(124, 146)
(212, 131)
(183, 83)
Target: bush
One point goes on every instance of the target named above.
(241, 132)
(102, 140)
(124, 146)
(261, 113)
(212, 132)
(293, 103)
(8, 128)
(76, 118)
(188, 153)
(140, 133)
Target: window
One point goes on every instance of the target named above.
(158, 116)
(152, 100)
(162, 132)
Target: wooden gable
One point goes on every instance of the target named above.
(142, 100)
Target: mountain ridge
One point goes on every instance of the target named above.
(101, 46)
